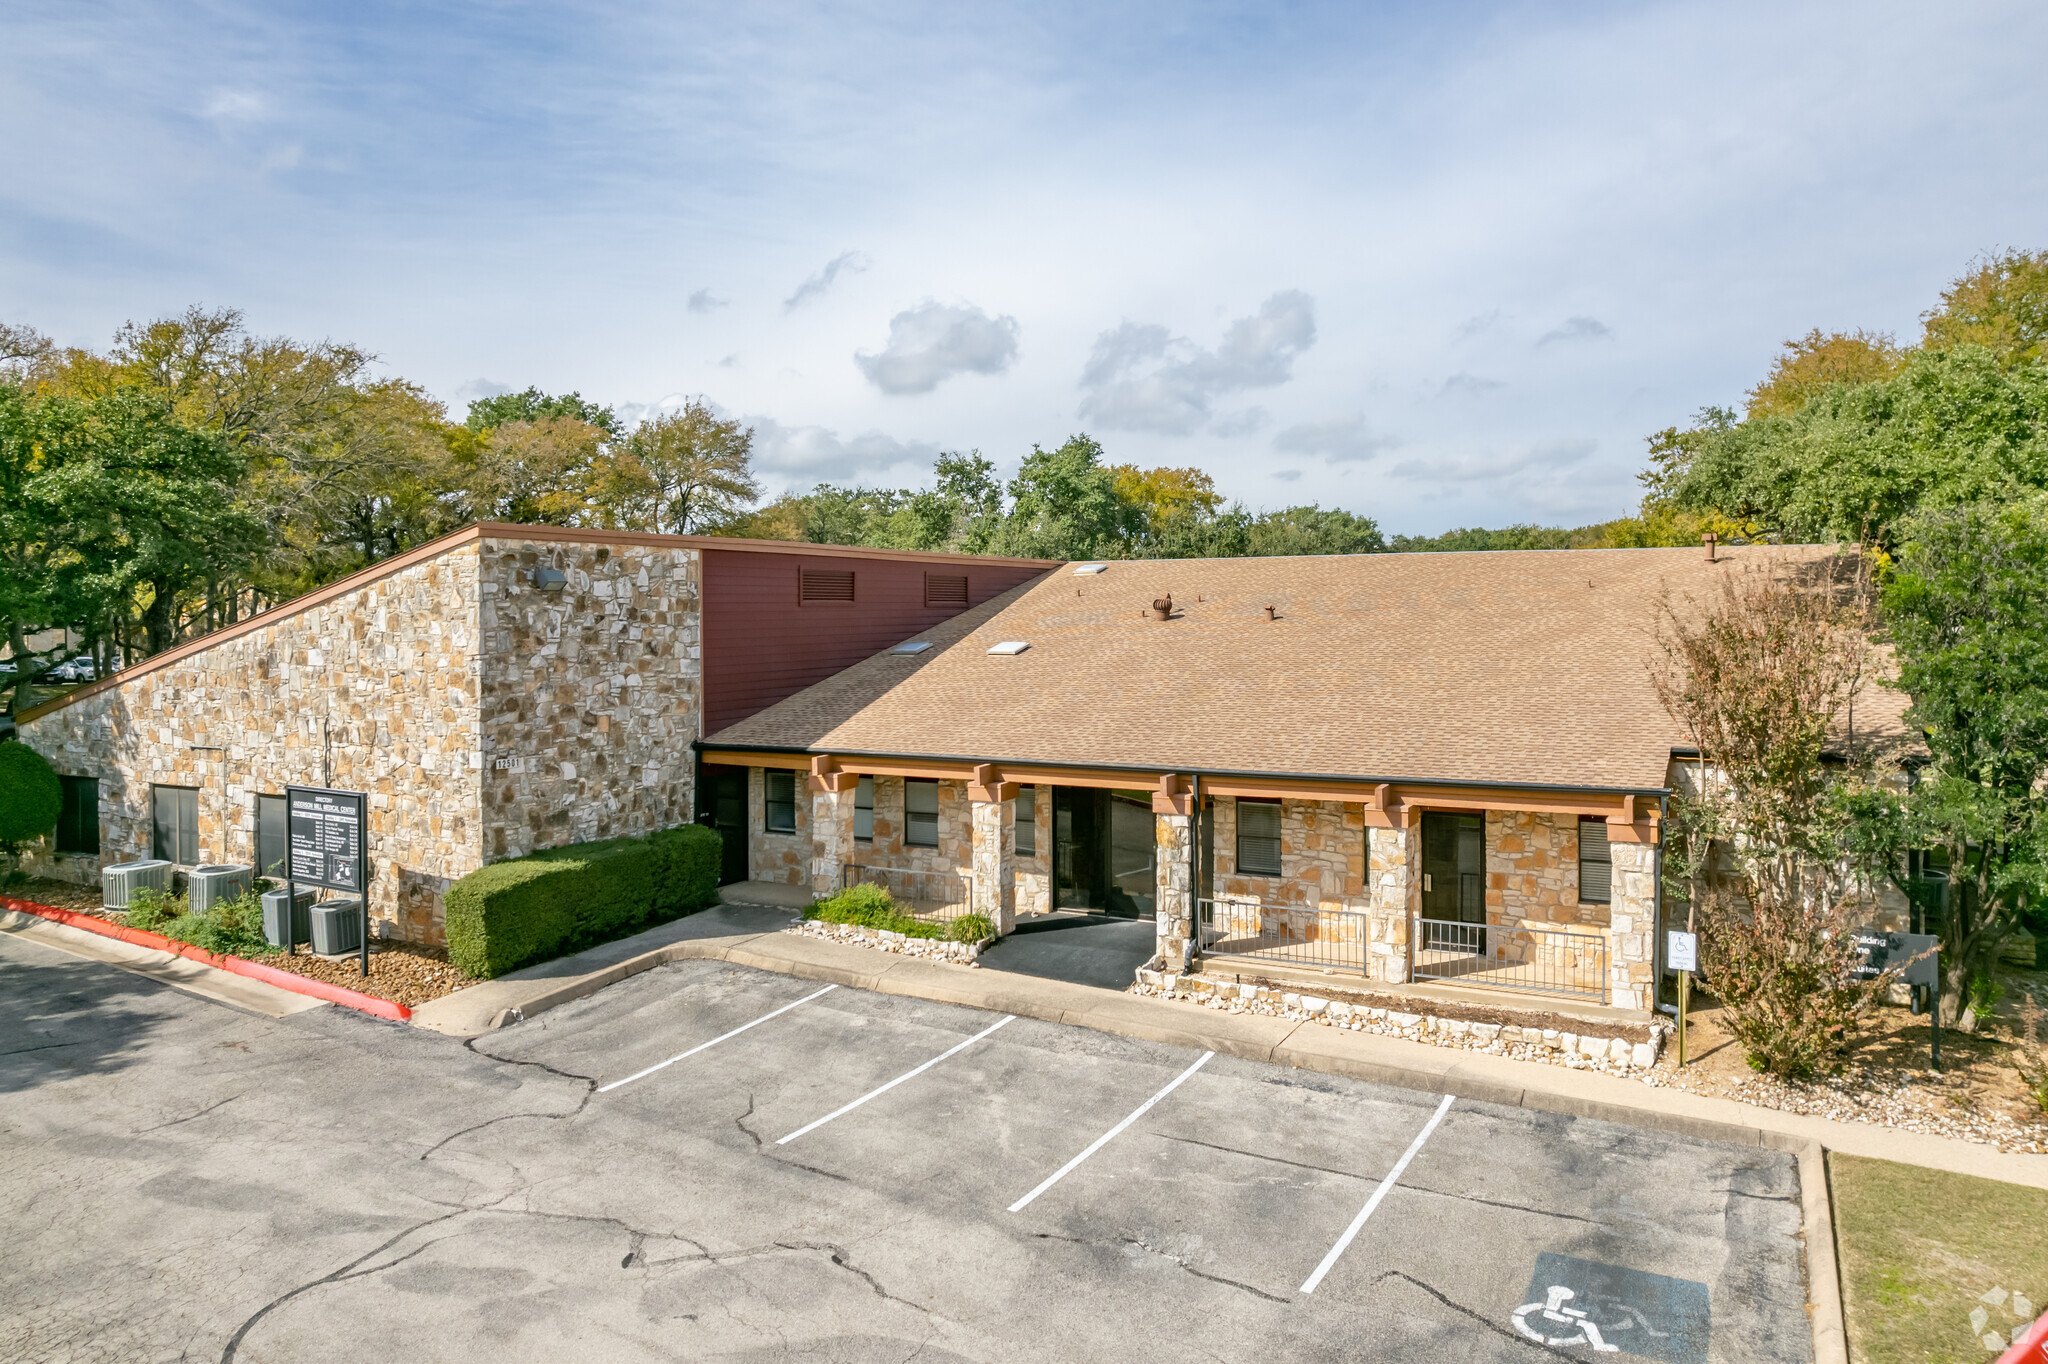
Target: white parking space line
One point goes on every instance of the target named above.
(1104, 1140)
(1393, 1178)
(701, 1046)
(907, 1075)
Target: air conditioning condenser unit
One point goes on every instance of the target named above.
(123, 879)
(217, 883)
(337, 927)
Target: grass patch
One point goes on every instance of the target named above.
(870, 906)
(1920, 1247)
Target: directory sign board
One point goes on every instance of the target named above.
(1913, 954)
(328, 832)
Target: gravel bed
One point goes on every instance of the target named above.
(1904, 1100)
(403, 973)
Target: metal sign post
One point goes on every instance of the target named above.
(330, 846)
(1682, 950)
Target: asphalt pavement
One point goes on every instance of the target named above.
(712, 1162)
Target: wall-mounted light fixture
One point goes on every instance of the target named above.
(550, 579)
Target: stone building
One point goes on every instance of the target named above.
(499, 690)
(1435, 768)
(1410, 769)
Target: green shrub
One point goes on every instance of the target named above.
(232, 927)
(149, 909)
(687, 863)
(971, 928)
(871, 906)
(31, 798)
(529, 909)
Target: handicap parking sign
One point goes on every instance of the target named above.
(1575, 1305)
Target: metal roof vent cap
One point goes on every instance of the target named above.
(1162, 607)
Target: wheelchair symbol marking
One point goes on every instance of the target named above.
(1555, 1312)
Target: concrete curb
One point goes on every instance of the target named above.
(1823, 1270)
(254, 970)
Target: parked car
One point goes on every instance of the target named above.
(79, 669)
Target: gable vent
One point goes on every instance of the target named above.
(945, 589)
(825, 585)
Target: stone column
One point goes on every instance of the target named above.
(1173, 887)
(831, 835)
(1393, 889)
(994, 892)
(1632, 926)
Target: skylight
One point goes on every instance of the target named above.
(915, 646)
(1011, 646)
(1089, 570)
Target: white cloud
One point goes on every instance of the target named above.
(236, 106)
(1339, 440)
(1576, 329)
(704, 301)
(809, 454)
(932, 342)
(474, 389)
(846, 262)
(1243, 423)
(1469, 386)
(1478, 323)
(1530, 463)
(1140, 377)
(1287, 475)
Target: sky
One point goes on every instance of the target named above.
(1442, 265)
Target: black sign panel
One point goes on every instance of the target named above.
(1913, 954)
(328, 831)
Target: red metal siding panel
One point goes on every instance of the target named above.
(761, 645)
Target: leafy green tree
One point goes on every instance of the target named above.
(2001, 304)
(1314, 530)
(682, 471)
(31, 799)
(536, 406)
(1954, 426)
(1065, 505)
(1819, 361)
(1967, 609)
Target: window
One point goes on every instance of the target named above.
(864, 810)
(832, 586)
(781, 802)
(945, 589)
(1258, 837)
(78, 818)
(1596, 864)
(273, 838)
(174, 819)
(1027, 821)
(921, 812)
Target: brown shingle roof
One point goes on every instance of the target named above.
(1516, 668)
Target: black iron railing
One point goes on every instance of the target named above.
(1548, 961)
(1293, 935)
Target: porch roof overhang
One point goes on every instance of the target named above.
(1633, 814)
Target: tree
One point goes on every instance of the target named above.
(2000, 304)
(1819, 361)
(1761, 677)
(31, 799)
(541, 472)
(1314, 530)
(535, 406)
(1967, 610)
(1953, 426)
(1065, 505)
(684, 470)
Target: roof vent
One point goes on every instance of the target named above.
(1709, 540)
(1089, 570)
(1162, 607)
(915, 646)
(1011, 646)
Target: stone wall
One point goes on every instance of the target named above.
(591, 695)
(1395, 896)
(784, 859)
(1034, 870)
(1532, 871)
(1322, 856)
(374, 690)
(921, 873)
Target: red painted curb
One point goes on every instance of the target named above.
(254, 970)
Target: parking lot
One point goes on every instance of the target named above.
(709, 1162)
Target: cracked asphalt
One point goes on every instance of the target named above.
(188, 1182)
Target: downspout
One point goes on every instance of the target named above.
(1658, 945)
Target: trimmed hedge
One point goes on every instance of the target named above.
(511, 914)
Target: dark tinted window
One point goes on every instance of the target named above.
(1027, 822)
(921, 812)
(1596, 869)
(78, 822)
(1258, 837)
(781, 791)
(174, 819)
(273, 842)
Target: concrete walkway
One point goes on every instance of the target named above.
(182, 973)
(746, 935)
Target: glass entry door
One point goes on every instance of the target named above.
(1454, 880)
(1103, 850)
